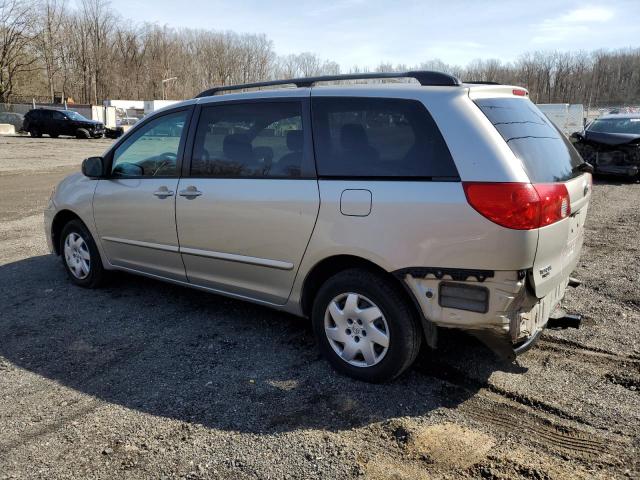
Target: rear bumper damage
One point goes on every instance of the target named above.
(496, 307)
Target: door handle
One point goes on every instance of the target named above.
(190, 192)
(163, 192)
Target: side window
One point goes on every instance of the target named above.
(378, 137)
(57, 116)
(152, 150)
(254, 140)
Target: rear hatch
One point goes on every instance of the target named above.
(549, 160)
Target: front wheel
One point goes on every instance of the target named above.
(83, 134)
(80, 256)
(365, 326)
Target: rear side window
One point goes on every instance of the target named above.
(546, 154)
(253, 140)
(378, 137)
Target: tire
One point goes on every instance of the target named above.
(394, 323)
(54, 135)
(35, 133)
(76, 244)
(82, 134)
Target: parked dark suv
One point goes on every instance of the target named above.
(61, 122)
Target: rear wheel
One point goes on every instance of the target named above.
(53, 135)
(80, 256)
(35, 133)
(365, 327)
(82, 133)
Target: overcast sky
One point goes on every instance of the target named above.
(367, 32)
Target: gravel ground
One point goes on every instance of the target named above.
(148, 380)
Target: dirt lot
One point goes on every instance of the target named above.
(148, 380)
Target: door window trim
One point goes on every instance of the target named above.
(308, 168)
(181, 146)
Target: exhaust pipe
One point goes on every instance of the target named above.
(574, 282)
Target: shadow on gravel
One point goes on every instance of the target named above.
(196, 357)
(614, 180)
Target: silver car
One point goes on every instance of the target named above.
(382, 212)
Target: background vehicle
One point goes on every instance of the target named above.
(611, 143)
(15, 119)
(61, 122)
(126, 121)
(379, 211)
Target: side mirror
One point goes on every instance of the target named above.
(93, 167)
(575, 137)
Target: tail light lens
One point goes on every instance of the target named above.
(520, 206)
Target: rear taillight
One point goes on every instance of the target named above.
(520, 206)
(554, 202)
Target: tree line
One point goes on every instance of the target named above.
(88, 52)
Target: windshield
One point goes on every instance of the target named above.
(546, 154)
(616, 125)
(75, 116)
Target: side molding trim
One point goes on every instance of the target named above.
(137, 243)
(231, 257)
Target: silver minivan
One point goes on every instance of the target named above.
(382, 212)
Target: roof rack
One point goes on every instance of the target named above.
(423, 77)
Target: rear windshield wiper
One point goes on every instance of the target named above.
(585, 167)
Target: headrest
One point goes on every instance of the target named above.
(237, 146)
(294, 140)
(353, 136)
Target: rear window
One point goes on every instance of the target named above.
(547, 155)
(378, 137)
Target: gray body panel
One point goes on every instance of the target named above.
(246, 236)
(136, 228)
(429, 224)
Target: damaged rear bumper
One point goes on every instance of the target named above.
(508, 318)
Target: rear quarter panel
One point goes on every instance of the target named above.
(414, 224)
(425, 223)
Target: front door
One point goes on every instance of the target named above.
(57, 123)
(134, 209)
(246, 208)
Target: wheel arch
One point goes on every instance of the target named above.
(59, 221)
(332, 265)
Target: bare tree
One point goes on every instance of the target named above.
(48, 38)
(16, 33)
(98, 22)
(91, 54)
